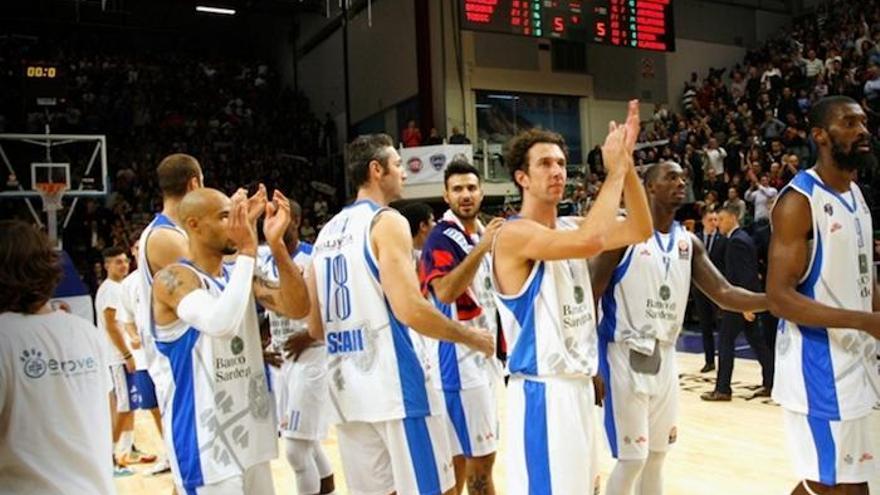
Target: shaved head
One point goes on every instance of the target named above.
(200, 203)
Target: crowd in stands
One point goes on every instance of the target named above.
(742, 133)
(233, 114)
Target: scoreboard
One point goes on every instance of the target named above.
(641, 24)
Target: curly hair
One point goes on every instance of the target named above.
(30, 268)
(517, 156)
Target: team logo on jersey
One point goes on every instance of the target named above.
(645, 252)
(438, 161)
(578, 294)
(34, 364)
(414, 164)
(683, 249)
(236, 345)
(829, 210)
(835, 227)
(665, 292)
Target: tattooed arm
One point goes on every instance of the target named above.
(179, 295)
(289, 296)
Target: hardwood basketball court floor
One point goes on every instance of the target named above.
(735, 448)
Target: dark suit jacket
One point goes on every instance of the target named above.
(741, 261)
(719, 246)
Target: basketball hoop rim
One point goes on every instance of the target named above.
(51, 193)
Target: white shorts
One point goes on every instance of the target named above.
(472, 421)
(302, 396)
(120, 387)
(638, 422)
(550, 436)
(407, 456)
(256, 479)
(831, 452)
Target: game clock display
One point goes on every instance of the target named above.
(40, 72)
(640, 24)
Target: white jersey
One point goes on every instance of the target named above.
(217, 414)
(281, 327)
(646, 298)
(144, 316)
(109, 296)
(374, 372)
(458, 366)
(54, 417)
(127, 312)
(831, 373)
(557, 298)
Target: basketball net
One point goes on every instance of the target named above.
(51, 193)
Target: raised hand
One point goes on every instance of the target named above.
(241, 231)
(257, 204)
(633, 125)
(277, 218)
(617, 152)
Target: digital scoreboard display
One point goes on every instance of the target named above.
(642, 24)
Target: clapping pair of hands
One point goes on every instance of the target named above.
(247, 210)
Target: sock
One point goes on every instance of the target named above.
(301, 458)
(623, 477)
(126, 440)
(651, 482)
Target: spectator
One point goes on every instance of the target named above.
(411, 136)
(715, 156)
(734, 202)
(762, 195)
(434, 138)
(772, 127)
(815, 66)
(457, 137)
(306, 231)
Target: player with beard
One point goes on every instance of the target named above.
(456, 275)
(820, 284)
(644, 291)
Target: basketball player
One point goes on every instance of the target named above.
(820, 284)
(301, 383)
(108, 303)
(218, 424)
(420, 217)
(456, 275)
(54, 416)
(163, 242)
(365, 296)
(546, 305)
(643, 291)
(141, 390)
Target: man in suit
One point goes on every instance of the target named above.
(741, 269)
(706, 310)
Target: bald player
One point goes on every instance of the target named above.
(643, 291)
(218, 423)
